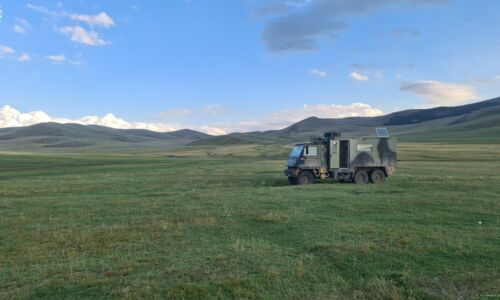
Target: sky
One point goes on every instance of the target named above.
(222, 66)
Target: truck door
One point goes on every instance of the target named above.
(334, 154)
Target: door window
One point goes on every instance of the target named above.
(311, 151)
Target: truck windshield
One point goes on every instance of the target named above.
(296, 151)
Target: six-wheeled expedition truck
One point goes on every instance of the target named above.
(359, 160)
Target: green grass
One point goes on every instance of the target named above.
(224, 223)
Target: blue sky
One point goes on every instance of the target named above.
(241, 65)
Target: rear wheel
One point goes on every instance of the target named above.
(305, 177)
(361, 177)
(377, 176)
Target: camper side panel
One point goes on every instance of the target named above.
(373, 152)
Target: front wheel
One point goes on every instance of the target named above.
(292, 180)
(377, 176)
(305, 178)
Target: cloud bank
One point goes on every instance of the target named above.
(10, 117)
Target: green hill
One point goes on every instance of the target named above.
(65, 137)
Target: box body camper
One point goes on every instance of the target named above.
(358, 160)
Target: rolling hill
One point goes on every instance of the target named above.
(477, 122)
(64, 137)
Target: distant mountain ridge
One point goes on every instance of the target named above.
(413, 116)
(476, 122)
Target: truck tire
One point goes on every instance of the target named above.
(361, 177)
(377, 176)
(305, 177)
(292, 180)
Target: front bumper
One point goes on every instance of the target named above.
(292, 172)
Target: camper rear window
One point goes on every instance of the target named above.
(311, 151)
(364, 147)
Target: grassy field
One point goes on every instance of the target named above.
(224, 223)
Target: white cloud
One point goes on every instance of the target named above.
(4, 50)
(358, 76)
(24, 57)
(56, 58)
(441, 93)
(320, 73)
(19, 29)
(10, 117)
(102, 19)
(22, 26)
(79, 35)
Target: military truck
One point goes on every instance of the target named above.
(360, 160)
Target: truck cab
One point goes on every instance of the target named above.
(359, 160)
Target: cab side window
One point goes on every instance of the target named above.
(310, 151)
